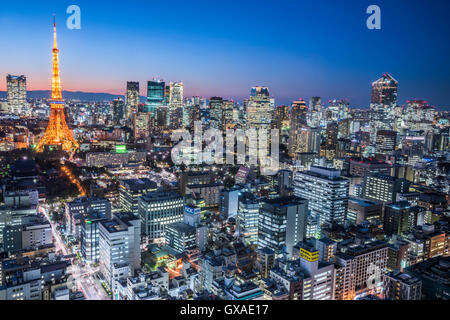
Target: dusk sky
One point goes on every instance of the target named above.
(223, 48)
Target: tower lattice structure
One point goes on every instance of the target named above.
(57, 132)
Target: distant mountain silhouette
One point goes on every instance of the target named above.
(72, 95)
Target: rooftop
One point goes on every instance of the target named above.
(113, 226)
(161, 196)
(139, 184)
(403, 277)
(285, 201)
(362, 202)
(181, 227)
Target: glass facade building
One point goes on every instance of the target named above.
(155, 96)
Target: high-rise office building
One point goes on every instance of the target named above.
(326, 191)
(81, 208)
(118, 109)
(16, 93)
(284, 181)
(338, 110)
(298, 113)
(360, 210)
(247, 218)
(132, 98)
(314, 115)
(180, 237)
(259, 109)
(131, 189)
(158, 209)
(384, 91)
(142, 126)
(228, 115)
(331, 145)
(162, 116)
(385, 143)
(155, 96)
(400, 217)
(303, 139)
(383, 188)
(90, 238)
(281, 118)
(229, 202)
(119, 247)
(418, 115)
(216, 113)
(382, 104)
(176, 104)
(282, 223)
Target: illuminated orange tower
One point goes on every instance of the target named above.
(57, 133)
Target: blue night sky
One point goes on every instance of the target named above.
(296, 48)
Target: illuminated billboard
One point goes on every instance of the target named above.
(121, 149)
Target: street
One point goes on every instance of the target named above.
(84, 276)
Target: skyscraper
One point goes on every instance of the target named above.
(303, 139)
(118, 109)
(155, 96)
(247, 218)
(176, 104)
(385, 143)
(297, 127)
(216, 113)
(314, 114)
(228, 114)
(331, 145)
(132, 98)
(338, 109)
(326, 191)
(141, 126)
(382, 104)
(58, 133)
(299, 111)
(17, 93)
(259, 108)
(281, 120)
(384, 91)
(282, 223)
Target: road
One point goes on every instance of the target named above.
(83, 275)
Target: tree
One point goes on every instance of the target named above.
(148, 258)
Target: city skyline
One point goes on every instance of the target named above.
(174, 190)
(295, 63)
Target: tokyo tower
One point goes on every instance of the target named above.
(58, 133)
